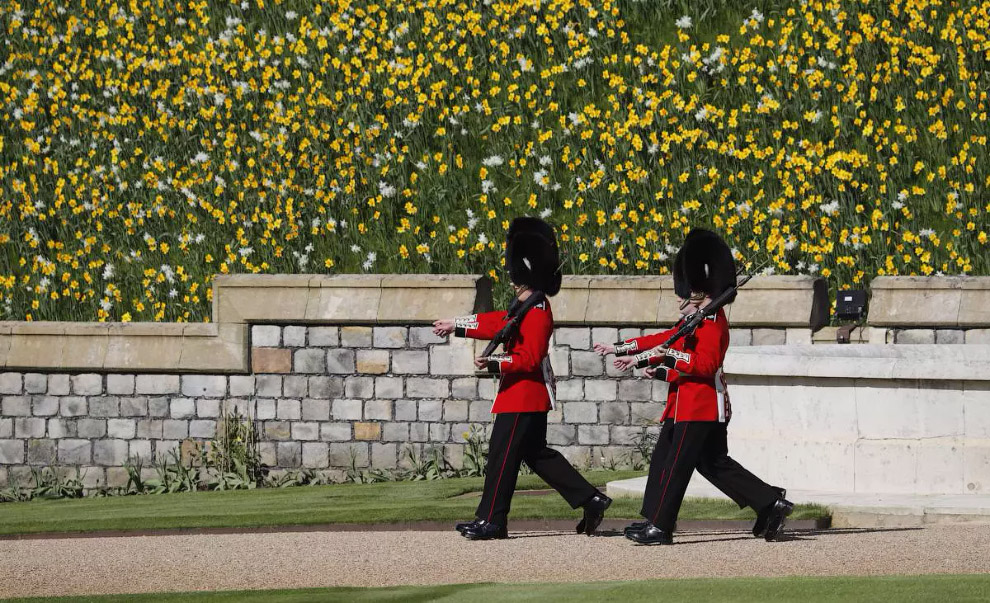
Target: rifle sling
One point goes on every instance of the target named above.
(516, 313)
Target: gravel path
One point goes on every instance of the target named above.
(311, 559)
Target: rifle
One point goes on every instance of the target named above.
(517, 310)
(691, 322)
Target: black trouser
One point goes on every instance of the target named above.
(689, 445)
(518, 437)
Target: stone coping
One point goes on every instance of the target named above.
(930, 282)
(935, 362)
(649, 301)
(222, 346)
(782, 302)
(343, 299)
(124, 347)
(930, 301)
(615, 300)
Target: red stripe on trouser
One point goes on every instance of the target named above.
(502, 470)
(674, 464)
(659, 481)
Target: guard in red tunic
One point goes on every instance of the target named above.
(694, 421)
(526, 391)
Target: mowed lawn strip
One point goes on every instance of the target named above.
(903, 589)
(390, 502)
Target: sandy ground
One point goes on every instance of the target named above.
(312, 559)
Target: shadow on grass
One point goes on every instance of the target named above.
(838, 589)
(393, 503)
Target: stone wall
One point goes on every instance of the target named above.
(335, 368)
(927, 310)
(320, 395)
(863, 419)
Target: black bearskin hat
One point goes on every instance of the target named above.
(531, 255)
(704, 264)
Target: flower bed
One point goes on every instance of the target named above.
(145, 147)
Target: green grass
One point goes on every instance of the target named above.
(903, 589)
(311, 505)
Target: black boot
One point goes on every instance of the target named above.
(466, 525)
(594, 512)
(650, 534)
(635, 526)
(779, 510)
(763, 516)
(485, 530)
(638, 526)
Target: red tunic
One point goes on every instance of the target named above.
(526, 382)
(693, 367)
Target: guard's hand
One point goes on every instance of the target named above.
(624, 363)
(651, 373)
(604, 349)
(443, 327)
(481, 362)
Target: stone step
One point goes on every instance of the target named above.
(856, 510)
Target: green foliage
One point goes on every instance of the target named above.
(303, 477)
(50, 482)
(135, 477)
(431, 466)
(14, 493)
(475, 452)
(233, 456)
(174, 475)
(643, 445)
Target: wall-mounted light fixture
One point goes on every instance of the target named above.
(849, 305)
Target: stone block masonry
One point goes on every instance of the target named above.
(319, 395)
(328, 371)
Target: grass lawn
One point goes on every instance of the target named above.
(903, 589)
(307, 505)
